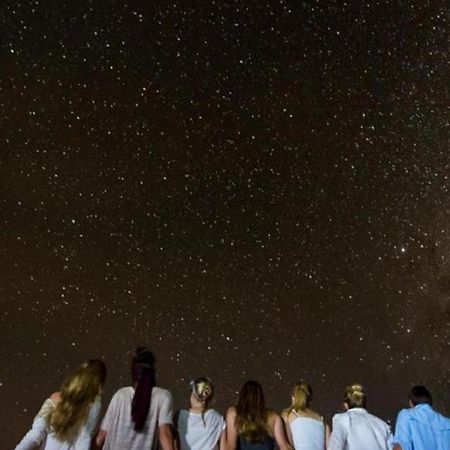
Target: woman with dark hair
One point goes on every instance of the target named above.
(250, 425)
(357, 429)
(306, 429)
(200, 427)
(68, 418)
(136, 414)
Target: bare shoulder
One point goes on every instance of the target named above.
(272, 414)
(315, 415)
(272, 417)
(231, 412)
(55, 397)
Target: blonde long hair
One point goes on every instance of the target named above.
(78, 392)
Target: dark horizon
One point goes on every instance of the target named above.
(253, 190)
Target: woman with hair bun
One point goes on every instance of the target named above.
(67, 419)
(251, 426)
(306, 429)
(200, 427)
(357, 429)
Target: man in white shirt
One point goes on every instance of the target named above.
(357, 429)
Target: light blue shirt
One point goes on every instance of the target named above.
(422, 428)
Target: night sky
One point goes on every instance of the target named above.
(253, 189)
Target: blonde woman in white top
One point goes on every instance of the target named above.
(67, 419)
(200, 427)
(357, 429)
(305, 428)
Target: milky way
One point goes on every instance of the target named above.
(252, 189)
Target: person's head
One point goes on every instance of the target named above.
(78, 392)
(98, 369)
(355, 396)
(202, 394)
(143, 374)
(251, 412)
(142, 358)
(301, 396)
(420, 394)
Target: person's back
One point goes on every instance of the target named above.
(138, 413)
(268, 443)
(250, 425)
(120, 427)
(420, 427)
(197, 432)
(357, 429)
(306, 428)
(67, 419)
(307, 433)
(200, 427)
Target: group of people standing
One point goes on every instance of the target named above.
(140, 417)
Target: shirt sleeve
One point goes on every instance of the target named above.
(39, 429)
(389, 436)
(402, 434)
(338, 437)
(165, 415)
(110, 413)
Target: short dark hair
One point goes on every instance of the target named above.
(419, 395)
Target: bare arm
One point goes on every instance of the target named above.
(176, 433)
(223, 440)
(100, 439)
(231, 431)
(287, 427)
(279, 434)
(327, 435)
(166, 437)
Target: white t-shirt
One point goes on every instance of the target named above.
(196, 434)
(357, 429)
(119, 427)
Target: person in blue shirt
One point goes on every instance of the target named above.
(420, 427)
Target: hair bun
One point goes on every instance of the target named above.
(355, 396)
(202, 388)
(357, 389)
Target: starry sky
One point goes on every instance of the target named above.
(253, 189)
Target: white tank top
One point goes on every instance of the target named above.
(307, 433)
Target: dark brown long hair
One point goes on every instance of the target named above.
(143, 374)
(251, 412)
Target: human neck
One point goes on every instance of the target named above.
(196, 408)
